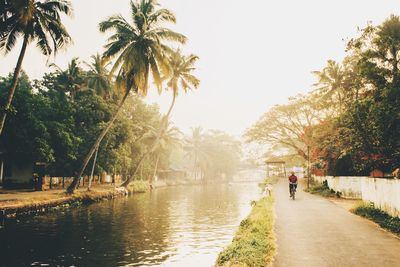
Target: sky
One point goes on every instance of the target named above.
(253, 54)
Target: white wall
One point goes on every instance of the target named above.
(384, 193)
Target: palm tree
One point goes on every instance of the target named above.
(139, 51)
(195, 149)
(98, 77)
(330, 81)
(34, 20)
(71, 80)
(181, 75)
(160, 141)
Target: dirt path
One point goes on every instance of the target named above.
(313, 231)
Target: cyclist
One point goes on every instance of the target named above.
(292, 183)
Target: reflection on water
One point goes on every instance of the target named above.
(175, 226)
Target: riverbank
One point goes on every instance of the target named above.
(254, 242)
(16, 203)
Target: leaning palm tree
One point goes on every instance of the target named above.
(98, 76)
(36, 21)
(161, 143)
(139, 51)
(181, 75)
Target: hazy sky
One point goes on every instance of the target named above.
(253, 54)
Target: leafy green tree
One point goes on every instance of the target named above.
(289, 125)
(378, 48)
(38, 21)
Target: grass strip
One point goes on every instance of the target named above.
(254, 243)
(382, 218)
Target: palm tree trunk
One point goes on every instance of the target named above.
(166, 117)
(13, 87)
(74, 183)
(172, 105)
(94, 165)
(155, 170)
(129, 179)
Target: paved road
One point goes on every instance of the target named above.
(313, 231)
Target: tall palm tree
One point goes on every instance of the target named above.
(34, 20)
(71, 80)
(181, 75)
(98, 77)
(330, 81)
(139, 51)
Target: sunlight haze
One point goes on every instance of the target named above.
(252, 54)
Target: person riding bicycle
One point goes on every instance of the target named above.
(292, 183)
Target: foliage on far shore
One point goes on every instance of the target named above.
(254, 243)
(349, 122)
(382, 218)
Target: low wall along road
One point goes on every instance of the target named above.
(384, 193)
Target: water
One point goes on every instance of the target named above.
(173, 226)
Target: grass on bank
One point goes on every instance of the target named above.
(322, 190)
(138, 187)
(254, 242)
(382, 218)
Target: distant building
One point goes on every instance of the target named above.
(16, 176)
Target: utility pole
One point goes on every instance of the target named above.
(308, 167)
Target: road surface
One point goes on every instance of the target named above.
(313, 231)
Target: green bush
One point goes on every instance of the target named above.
(322, 190)
(138, 187)
(369, 211)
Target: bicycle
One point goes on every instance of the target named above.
(293, 190)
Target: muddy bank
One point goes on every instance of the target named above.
(50, 201)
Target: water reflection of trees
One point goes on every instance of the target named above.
(141, 229)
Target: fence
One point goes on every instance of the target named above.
(64, 182)
(384, 193)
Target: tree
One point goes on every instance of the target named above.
(139, 51)
(71, 80)
(193, 146)
(98, 76)
(330, 82)
(181, 75)
(35, 21)
(378, 48)
(289, 125)
(161, 143)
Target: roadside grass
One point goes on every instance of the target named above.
(254, 242)
(383, 219)
(268, 181)
(322, 190)
(138, 187)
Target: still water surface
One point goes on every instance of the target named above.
(174, 226)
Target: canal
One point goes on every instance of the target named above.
(171, 226)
